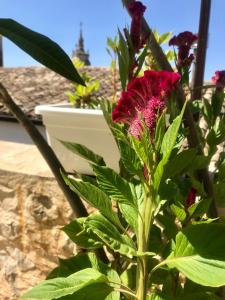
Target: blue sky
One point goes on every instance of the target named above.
(60, 20)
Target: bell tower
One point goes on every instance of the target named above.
(79, 52)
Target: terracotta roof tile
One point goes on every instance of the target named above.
(31, 86)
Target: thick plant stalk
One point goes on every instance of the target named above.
(193, 137)
(46, 151)
(144, 226)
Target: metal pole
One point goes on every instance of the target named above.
(198, 76)
(1, 52)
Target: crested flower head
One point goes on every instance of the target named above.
(144, 100)
(185, 38)
(184, 41)
(219, 79)
(137, 9)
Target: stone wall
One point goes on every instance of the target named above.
(32, 210)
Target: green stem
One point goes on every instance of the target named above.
(141, 290)
(144, 226)
(125, 292)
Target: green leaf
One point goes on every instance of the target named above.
(123, 48)
(114, 185)
(119, 190)
(220, 130)
(116, 128)
(159, 132)
(199, 254)
(170, 55)
(122, 71)
(207, 111)
(95, 197)
(171, 134)
(198, 209)
(84, 152)
(141, 60)
(97, 291)
(128, 277)
(217, 102)
(77, 233)
(188, 296)
(59, 287)
(168, 143)
(88, 178)
(199, 162)
(219, 190)
(123, 60)
(108, 233)
(84, 261)
(130, 159)
(163, 38)
(179, 212)
(221, 170)
(130, 214)
(41, 48)
(168, 225)
(178, 164)
(169, 191)
(143, 147)
(73, 264)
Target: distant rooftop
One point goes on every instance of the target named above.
(31, 86)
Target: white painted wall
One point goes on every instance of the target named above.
(14, 132)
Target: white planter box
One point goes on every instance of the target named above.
(83, 126)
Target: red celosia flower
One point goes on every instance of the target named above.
(219, 79)
(190, 198)
(184, 41)
(144, 100)
(137, 10)
(185, 38)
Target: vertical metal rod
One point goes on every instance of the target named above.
(1, 52)
(204, 20)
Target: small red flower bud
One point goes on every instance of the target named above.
(190, 198)
(219, 79)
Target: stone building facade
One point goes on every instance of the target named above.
(32, 210)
